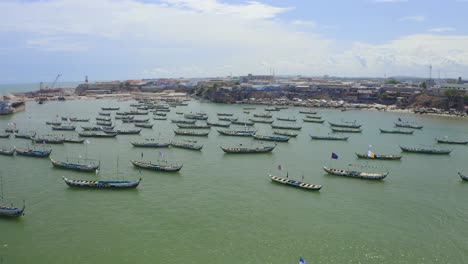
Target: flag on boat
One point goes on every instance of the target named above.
(280, 167)
(334, 156)
(302, 261)
(161, 154)
(370, 154)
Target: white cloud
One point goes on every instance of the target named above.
(408, 55)
(417, 18)
(209, 38)
(390, 1)
(304, 23)
(441, 29)
(250, 10)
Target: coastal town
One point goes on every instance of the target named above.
(447, 97)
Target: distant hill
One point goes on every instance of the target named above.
(406, 78)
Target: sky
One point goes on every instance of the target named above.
(135, 39)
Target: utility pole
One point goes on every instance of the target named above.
(430, 75)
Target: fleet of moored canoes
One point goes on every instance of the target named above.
(190, 126)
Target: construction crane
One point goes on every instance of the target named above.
(42, 98)
(55, 81)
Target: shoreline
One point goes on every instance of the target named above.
(311, 103)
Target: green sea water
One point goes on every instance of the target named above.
(222, 208)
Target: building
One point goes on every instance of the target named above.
(451, 86)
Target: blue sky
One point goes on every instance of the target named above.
(132, 39)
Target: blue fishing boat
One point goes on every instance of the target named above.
(74, 165)
(229, 118)
(156, 167)
(285, 133)
(110, 108)
(241, 133)
(243, 150)
(186, 145)
(195, 133)
(54, 123)
(64, 128)
(426, 150)
(408, 125)
(345, 124)
(194, 126)
(48, 139)
(93, 134)
(33, 152)
(26, 135)
(218, 124)
(151, 143)
(356, 174)
(463, 177)
(7, 152)
(279, 126)
(271, 138)
(8, 211)
(175, 121)
(102, 184)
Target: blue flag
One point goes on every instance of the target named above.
(302, 261)
(334, 156)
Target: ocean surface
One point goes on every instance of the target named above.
(222, 208)
(28, 87)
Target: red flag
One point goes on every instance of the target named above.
(280, 167)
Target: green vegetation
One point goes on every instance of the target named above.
(392, 81)
(453, 93)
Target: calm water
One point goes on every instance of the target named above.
(5, 89)
(222, 208)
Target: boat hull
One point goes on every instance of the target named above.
(186, 146)
(243, 150)
(102, 184)
(379, 157)
(396, 132)
(7, 152)
(463, 177)
(426, 151)
(452, 142)
(355, 174)
(156, 167)
(33, 153)
(329, 138)
(6, 211)
(74, 166)
(296, 184)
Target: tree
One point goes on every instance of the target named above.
(423, 85)
(392, 81)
